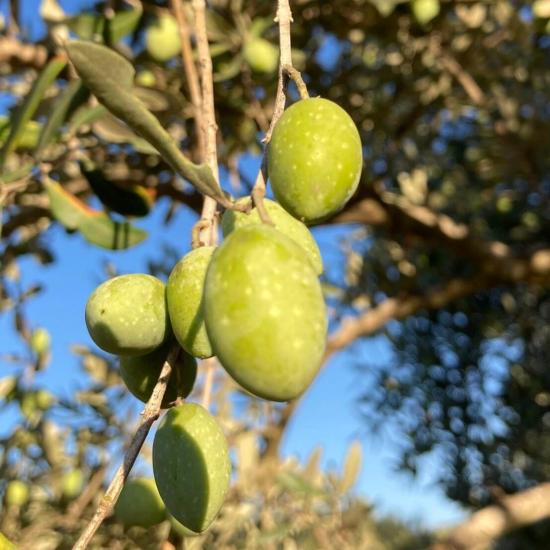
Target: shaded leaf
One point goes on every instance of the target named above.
(72, 97)
(134, 200)
(297, 484)
(28, 107)
(86, 115)
(96, 227)
(110, 78)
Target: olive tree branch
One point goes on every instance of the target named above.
(208, 233)
(190, 70)
(150, 413)
(534, 269)
(490, 523)
(284, 19)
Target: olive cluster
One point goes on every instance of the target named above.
(255, 302)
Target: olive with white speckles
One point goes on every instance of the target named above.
(191, 465)
(140, 374)
(184, 299)
(283, 221)
(314, 159)
(127, 315)
(264, 312)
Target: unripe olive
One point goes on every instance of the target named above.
(127, 315)
(180, 529)
(261, 55)
(184, 299)
(141, 373)
(162, 39)
(44, 399)
(71, 483)
(314, 159)
(264, 312)
(140, 503)
(191, 465)
(40, 341)
(145, 78)
(425, 10)
(283, 221)
(17, 493)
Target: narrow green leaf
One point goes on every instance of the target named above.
(86, 115)
(14, 175)
(297, 484)
(86, 25)
(122, 24)
(29, 106)
(65, 208)
(110, 78)
(72, 97)
(352, 467)
(102, 231)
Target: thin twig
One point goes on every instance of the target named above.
(208, 235)
(209, 366)
(190, 70)
(284, 18)
(149, 415)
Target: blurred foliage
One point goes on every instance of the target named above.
(453, 108)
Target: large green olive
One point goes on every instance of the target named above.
(314, 159)
(127, 315)
(162, 39)
(265, 313)
(191, 465)
(184, 298)
(17, 493)
(283, 221)
(140, 504)
(261, 55)
(141, 373)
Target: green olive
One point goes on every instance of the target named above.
(162, 39)
(264, 312)
(261, 55)
(140, 503)
(184, 298)
(283, 221)
(191, 465)
(127, 315)
(314, 159)
(141, 373)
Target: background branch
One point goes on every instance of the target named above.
(149, 415)
(492, 522)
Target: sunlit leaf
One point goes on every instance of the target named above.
(352, 467)
(110, 78)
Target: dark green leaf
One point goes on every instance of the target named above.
(110, 78)
(132, 201)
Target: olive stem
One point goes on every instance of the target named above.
(149, 414)
(190, 70)
(208, 383)
(296, 77)
(284, 18)
(209, 234)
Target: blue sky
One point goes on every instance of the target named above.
(328, 415)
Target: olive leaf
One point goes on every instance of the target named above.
(352, 467)
(110, 78)
(28, 108)
(96, 227)
(72, 97)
